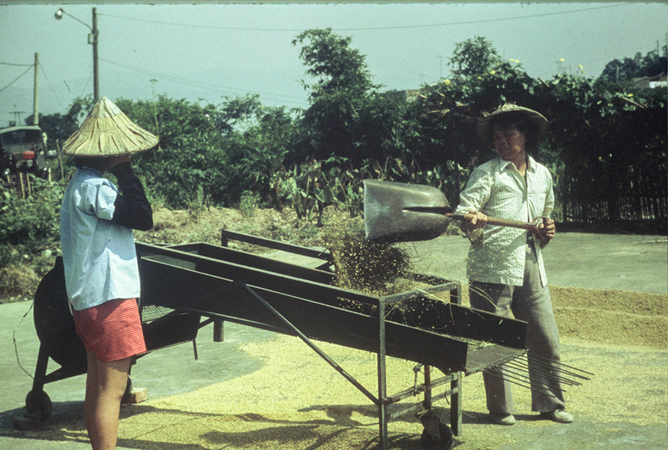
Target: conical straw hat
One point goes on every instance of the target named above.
(108, 132)
(536, 119)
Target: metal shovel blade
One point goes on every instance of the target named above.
(396, 212)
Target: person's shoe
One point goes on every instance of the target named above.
(557, 415)
(502, 418)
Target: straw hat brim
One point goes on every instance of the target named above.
(535, 118)
(108, 132)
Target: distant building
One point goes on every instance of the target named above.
(410, 95)
(657, 81)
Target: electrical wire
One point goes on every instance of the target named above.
(15, 64)
(83, 90)
(210, 86)
(17, 78)
(472, 22)
(41, 68)
(301, 103)
(283, 98)
(399, 27)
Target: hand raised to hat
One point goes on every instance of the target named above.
(116, 160)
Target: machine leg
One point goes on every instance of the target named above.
(218, 331)
(40, 369)
(427, 388)
(456, 384)
(456, 404)
(382, 379)
(38, 403)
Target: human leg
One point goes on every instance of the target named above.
(495, 298)
(112, 335)
(105, 385)
(532, 303)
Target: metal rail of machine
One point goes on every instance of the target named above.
(186, 282)
(232, 285)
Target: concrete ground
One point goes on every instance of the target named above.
(626, 262)
(581, 260)
(165, 372)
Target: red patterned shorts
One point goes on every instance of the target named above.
(112, 330)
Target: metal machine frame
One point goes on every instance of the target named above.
(185, 282)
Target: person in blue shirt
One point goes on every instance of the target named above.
(100, 260)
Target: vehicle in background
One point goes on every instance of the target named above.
(23, 149)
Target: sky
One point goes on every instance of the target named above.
(212, 52)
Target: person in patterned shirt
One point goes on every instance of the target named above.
(505, 265)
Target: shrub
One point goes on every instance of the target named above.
(28, 226)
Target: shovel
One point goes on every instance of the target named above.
(398, 212)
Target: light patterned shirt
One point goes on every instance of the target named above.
(99, 255)
(497, 189)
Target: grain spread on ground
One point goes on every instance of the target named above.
(297, 401)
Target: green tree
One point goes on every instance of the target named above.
(341, 85)
(58, 127)
(448, 111)
(257, 140)
(210, 155)
(179, 171)
(474, 57)
(620, 71)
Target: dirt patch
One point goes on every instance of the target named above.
(206, 225)
(637, 303)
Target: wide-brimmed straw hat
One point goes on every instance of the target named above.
(534, 118)
(108, 132)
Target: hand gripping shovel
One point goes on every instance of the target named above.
(397, 212)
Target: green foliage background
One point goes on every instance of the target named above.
(241, 152)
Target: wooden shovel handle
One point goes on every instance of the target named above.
(533, 227)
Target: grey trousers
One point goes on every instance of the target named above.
(530, 303)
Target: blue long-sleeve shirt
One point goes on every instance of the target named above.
(96, 236)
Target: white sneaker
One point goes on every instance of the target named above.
(502, 418)
(558, 415)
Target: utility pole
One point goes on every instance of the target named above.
(17, 116)
(440, 74)
(96, 74)
(92, 39)
(35, 103)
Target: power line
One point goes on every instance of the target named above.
(471, 22)
(17, 78)
(398, 27)
(85, 86)
(210, 86)
(41, 67)
(15, 64)
(301, 102)
(213, 27)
